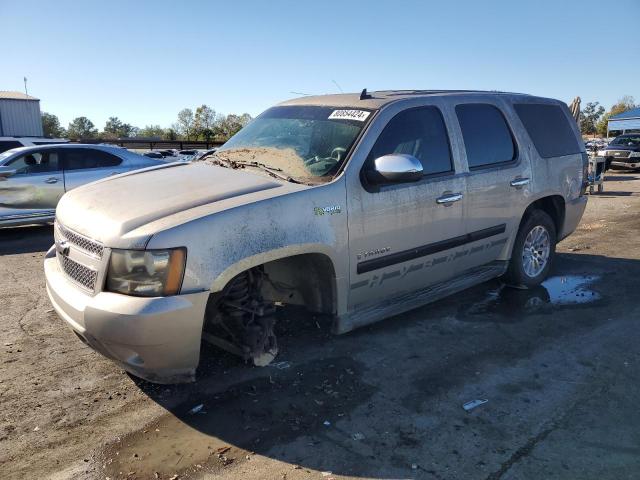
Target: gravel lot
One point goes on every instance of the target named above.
(559, 366)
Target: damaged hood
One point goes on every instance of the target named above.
(115, 210)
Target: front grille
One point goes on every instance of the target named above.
(618, 153)
(90, 246)
(83, 276)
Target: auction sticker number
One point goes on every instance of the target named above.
(359, 115)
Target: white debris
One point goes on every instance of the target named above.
(196, 409)
(358, 436)
(474, 403)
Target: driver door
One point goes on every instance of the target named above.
(405, 237)
(34, 190)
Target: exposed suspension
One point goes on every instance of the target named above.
(241, 322)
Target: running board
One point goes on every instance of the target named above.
(365, 315)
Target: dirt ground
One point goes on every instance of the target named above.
(559, 367)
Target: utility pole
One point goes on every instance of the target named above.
(25, 86)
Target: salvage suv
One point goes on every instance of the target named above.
(359, 206)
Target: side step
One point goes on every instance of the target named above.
(365, 315)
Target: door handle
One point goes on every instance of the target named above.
(520, 182)
(449, 198)
(51, 180)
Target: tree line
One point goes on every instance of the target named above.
(203, 124)
(594, 118)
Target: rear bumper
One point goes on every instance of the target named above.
(574, 210)
(157, 339)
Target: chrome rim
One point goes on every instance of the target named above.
(536, 251)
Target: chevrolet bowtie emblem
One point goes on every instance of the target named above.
(62, 248)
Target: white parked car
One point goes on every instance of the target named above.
(7, 143)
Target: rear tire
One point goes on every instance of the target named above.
(533, 251)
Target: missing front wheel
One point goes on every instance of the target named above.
(241, 322)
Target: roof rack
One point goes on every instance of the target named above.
(438, 92)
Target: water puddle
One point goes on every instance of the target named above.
(511, 303)
(571, 289)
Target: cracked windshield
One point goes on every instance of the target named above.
(306, 144)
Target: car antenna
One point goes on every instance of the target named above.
(364, 95)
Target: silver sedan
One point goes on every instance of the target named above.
(32, 179)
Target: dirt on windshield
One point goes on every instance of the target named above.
(285, 159)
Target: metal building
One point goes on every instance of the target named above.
(629, 120)
(19, 115)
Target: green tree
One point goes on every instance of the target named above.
(51, 125)
(204, 122)
(81, 127)
(152, 131)
(115, 128)
(228, 126)
(625, 103)
(170, 134)
(185, 123)
(589, 117)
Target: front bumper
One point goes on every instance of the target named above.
(156, 338)
(630, 163)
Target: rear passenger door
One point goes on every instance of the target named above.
(498, 182)
(84, 165)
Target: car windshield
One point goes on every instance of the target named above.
(306, 143)
(631, 140)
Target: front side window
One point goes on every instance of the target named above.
(549, 129)
(36, 162)
(309, 143)
(487, 138)
(420, 132)
(82, 158)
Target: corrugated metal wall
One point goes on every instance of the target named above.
(20, 118)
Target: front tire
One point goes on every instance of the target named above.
(533, 251)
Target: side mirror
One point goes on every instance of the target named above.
(395, 168)
(6, 172)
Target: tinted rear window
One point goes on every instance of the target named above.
(81, 158)
(548, 128)
(487, 138)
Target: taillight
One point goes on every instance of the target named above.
(585, 174)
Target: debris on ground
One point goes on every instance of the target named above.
(326, 423)
(326, 474)
(414, 466)
(196, 409)
(280, 365)
(358, 436)
(223, 450)
(474, 403)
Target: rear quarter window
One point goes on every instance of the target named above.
(549, 129)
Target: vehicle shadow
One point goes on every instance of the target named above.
(27, 239)
(612, 194)
(620, 178)
(309, 408)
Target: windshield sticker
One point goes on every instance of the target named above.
(359, 115)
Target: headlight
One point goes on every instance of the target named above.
(634, 154)
(146, 273)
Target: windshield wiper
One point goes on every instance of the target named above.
(271, 170)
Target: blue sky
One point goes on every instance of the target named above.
(143, 61)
